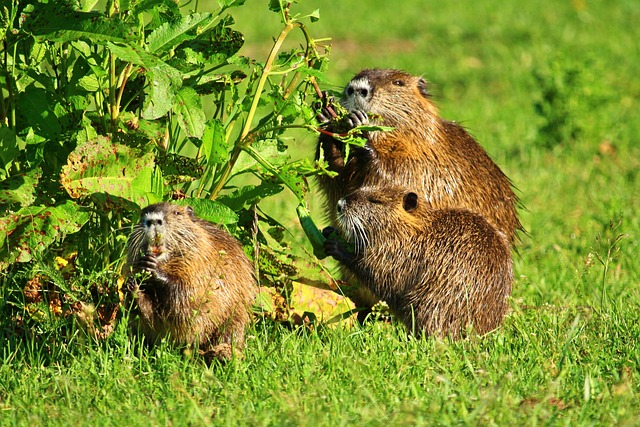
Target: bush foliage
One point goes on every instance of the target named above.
(105, 111)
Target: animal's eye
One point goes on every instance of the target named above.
(398, 83)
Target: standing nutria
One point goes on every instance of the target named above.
(437, 158)
(440, 270)
(201, 284)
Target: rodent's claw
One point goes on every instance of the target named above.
(328, 231)
(148, 263)
(357, 118)
(327, 99)
(322, 118)
(129, 285)
(326, 113)
(336, 249)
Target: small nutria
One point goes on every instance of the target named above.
(440, 270)
(437, 158)
(200, 286)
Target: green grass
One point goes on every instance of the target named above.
(548, 365)
(569, 352)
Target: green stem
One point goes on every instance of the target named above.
(122, 81)
(113, 87)
(113, 8)
(3, 109)
(243, 141)
(311, 230)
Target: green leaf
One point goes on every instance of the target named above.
(89, 83)
(100, 166)
(294, 180)
(87, 5)
(214, 143)
(188, 109)
(31, 230)
(271, 150)
(36, 105)
(171, 34)
(225, 4)
(160, 11)
(275, 5)
(19, 189)
(249, 195)
(164, 80)
(10, 147)
(214, 46)
(60, 21)
(211, 210)
(315, 15)
(162, 90)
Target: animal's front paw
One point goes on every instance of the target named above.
(148, 263)
(130, 285)
(328, 231)
(336, 248)
(327, 113)
(357, 118)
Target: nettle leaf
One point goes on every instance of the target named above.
(31, 230)
(225, 4)
(188, 109)
(36, 105)
(214, 46)
(294, 180)
(99, 166)
(214, 143)
(164, 80)
(60, 21)
(249, 195)
(315, 15)
(211, 210)
(160, 10)
(19, 189)
(272, 150)
(10, 147)
(275, 5)
(171, 34)
(161, 94)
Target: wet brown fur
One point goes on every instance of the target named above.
(425, 152)
(440, 270)
(437, 158)
(201, 288)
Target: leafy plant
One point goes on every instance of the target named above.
(104, 112)
(569, 90)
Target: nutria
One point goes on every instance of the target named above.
(436, 158)
(440, 270)
(199, 285)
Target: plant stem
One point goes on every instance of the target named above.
(113, 8)
(3, 109)
(122, 81)
(243, 141)
(113, 87)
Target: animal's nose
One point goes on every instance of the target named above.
(362, 92)
(150, 222)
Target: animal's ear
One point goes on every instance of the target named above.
(422, 87)
(189, 211)
(410, 202)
